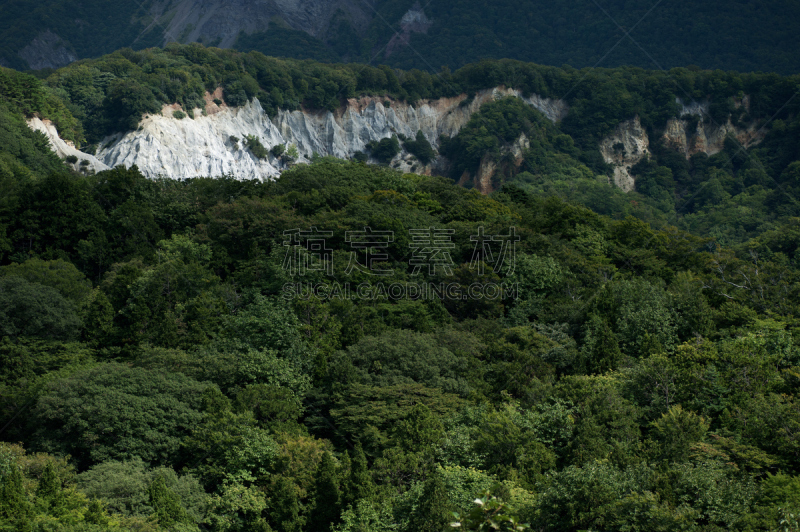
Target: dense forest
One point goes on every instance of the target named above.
(348, 348)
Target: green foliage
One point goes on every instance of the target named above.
(277, 150)
(116, 412)
(644, 379)
(489, 513)
(384, 150)
(327, 496)
(403, 357)
(420, 148)
(32, 309)
(58, 274)
(255, 147)
(125, 488)
(432, 513)
(37, 493)
(167, 506)
(359, 486)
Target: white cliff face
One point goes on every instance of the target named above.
(625, 147)
(64, 148)
(165, 146)
(212, 144)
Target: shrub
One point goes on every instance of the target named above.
(71, 159)
(292, 153)
(256, 148)
(278, 150)
(180, 115)
(385, 150)
(420, 148)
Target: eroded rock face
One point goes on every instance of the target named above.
(47, 51)
(707, 138)
(702, 135)
(64, 148)
(489, 166)
(625, 147)
(690, 134)
(165, 146)
(189, 147)
(212, 143)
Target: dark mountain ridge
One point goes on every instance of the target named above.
(738, 35)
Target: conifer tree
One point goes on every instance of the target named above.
(50, 491)
(15, 509)
(359, 484)
(327, 496)
(285, 506)
(167, 505)
(433, 512)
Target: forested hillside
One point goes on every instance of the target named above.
(732, 195)
(737, 35)
(155, 334)
(349, 348)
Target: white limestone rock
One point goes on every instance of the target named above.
(165, 146)
(64, 148)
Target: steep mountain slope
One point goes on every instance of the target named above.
(408, 34)
(53, 33)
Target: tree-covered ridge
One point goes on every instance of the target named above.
(640, 373)
(111, 93)
(732, 196)
(738, 35)
(155, 333)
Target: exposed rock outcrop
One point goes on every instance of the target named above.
(707, 138)
(175, 148)
(625, 147)
(64, 148)
(47, 50)
(511, 157)
(702, 135)
(211, 142)
(690, 134)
